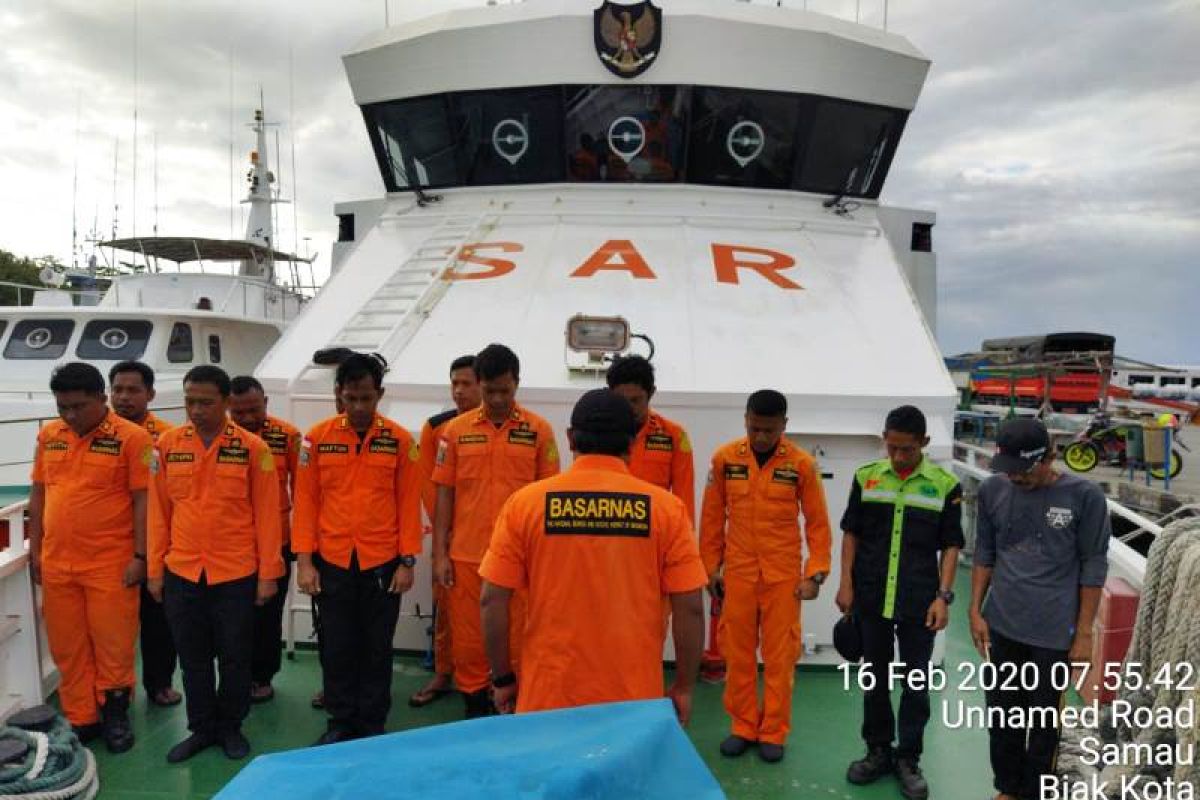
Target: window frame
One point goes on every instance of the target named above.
(104, 325)
(191, 358)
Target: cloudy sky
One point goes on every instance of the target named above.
(1058, 142)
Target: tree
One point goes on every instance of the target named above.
(24, 271)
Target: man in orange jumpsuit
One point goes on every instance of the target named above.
(661, 453)
(357, 535)
(131, 390)
(215, 543)
(87, 535)
(750, 540)
(483, 457)
(464, 391)
(598, 550)
(248, 408)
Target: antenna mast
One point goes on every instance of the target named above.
(135, 114)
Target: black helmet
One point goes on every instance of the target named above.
(847, 638)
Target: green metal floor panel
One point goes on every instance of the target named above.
(824, 739)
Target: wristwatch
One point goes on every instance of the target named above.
(501, 681)
(408, 561)
(819, 577)
(947, 596)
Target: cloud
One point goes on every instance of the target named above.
(1056, 141)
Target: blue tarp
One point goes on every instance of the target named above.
(618, 750)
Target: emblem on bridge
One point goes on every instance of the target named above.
(626, 137)
(745, 142)
(510, 140)
(628, 36)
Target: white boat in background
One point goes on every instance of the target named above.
(171, 320)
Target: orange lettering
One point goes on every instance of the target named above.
(628, 259)
(496, 266)
(727, 262)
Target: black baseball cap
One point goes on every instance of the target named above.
(603, 411)
(847, 638)
(1020, 445)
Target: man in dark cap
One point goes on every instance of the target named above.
(1041, 561)
(597, 549)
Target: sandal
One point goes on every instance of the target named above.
(165, 697)
(425, 695)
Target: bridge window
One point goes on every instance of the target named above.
(114, 340)
(39, 339)
(179, 348)
(642, 133)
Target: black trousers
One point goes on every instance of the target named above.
(268, 630)
(358, 620)
(213, 622)
(1021, 757)
(879, 727)
(157, 646)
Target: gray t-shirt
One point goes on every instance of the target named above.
(1042, 544)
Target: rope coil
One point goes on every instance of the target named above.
(1166, 636)
(56, 767)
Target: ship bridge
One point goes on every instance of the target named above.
(720, 207)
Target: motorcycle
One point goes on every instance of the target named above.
(1105, 442)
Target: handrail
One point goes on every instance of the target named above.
(42, 420)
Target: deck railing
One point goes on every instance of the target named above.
(27, 673)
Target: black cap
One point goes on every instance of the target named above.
(1021, 443)
(603, 411)
(847, 638)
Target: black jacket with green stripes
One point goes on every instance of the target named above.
(900, 527)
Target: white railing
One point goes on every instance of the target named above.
(27, 674)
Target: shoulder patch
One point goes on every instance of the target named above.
(148, 455)
(266, 462)
(597, 514)
(414, 451)
(438, 420)
(685, 444)
(552, 452)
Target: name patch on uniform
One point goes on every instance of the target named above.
(737, 472)
(277, 441)
(108, 447)
(56, 446)
(660, 441)
(333, 448)
(786, 475)
(473, 438)
(233, 455)
(384, 444)
(523, 437)
(180, 458)
(598, 513)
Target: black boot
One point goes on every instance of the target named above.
(873, 766)
(478, 704)
(114, 721)
(912, 782)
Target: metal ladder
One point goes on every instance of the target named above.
(388, 321)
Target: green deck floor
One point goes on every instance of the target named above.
(824, 738)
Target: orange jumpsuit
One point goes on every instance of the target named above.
(749, 524)
(358, 500)
(283, 439)
(87, 541)
(442, 657)
(661, 453)
(597, 550)
(214, 511)
(485, 465)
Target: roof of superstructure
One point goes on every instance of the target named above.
(181, 249)
(550, 41)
